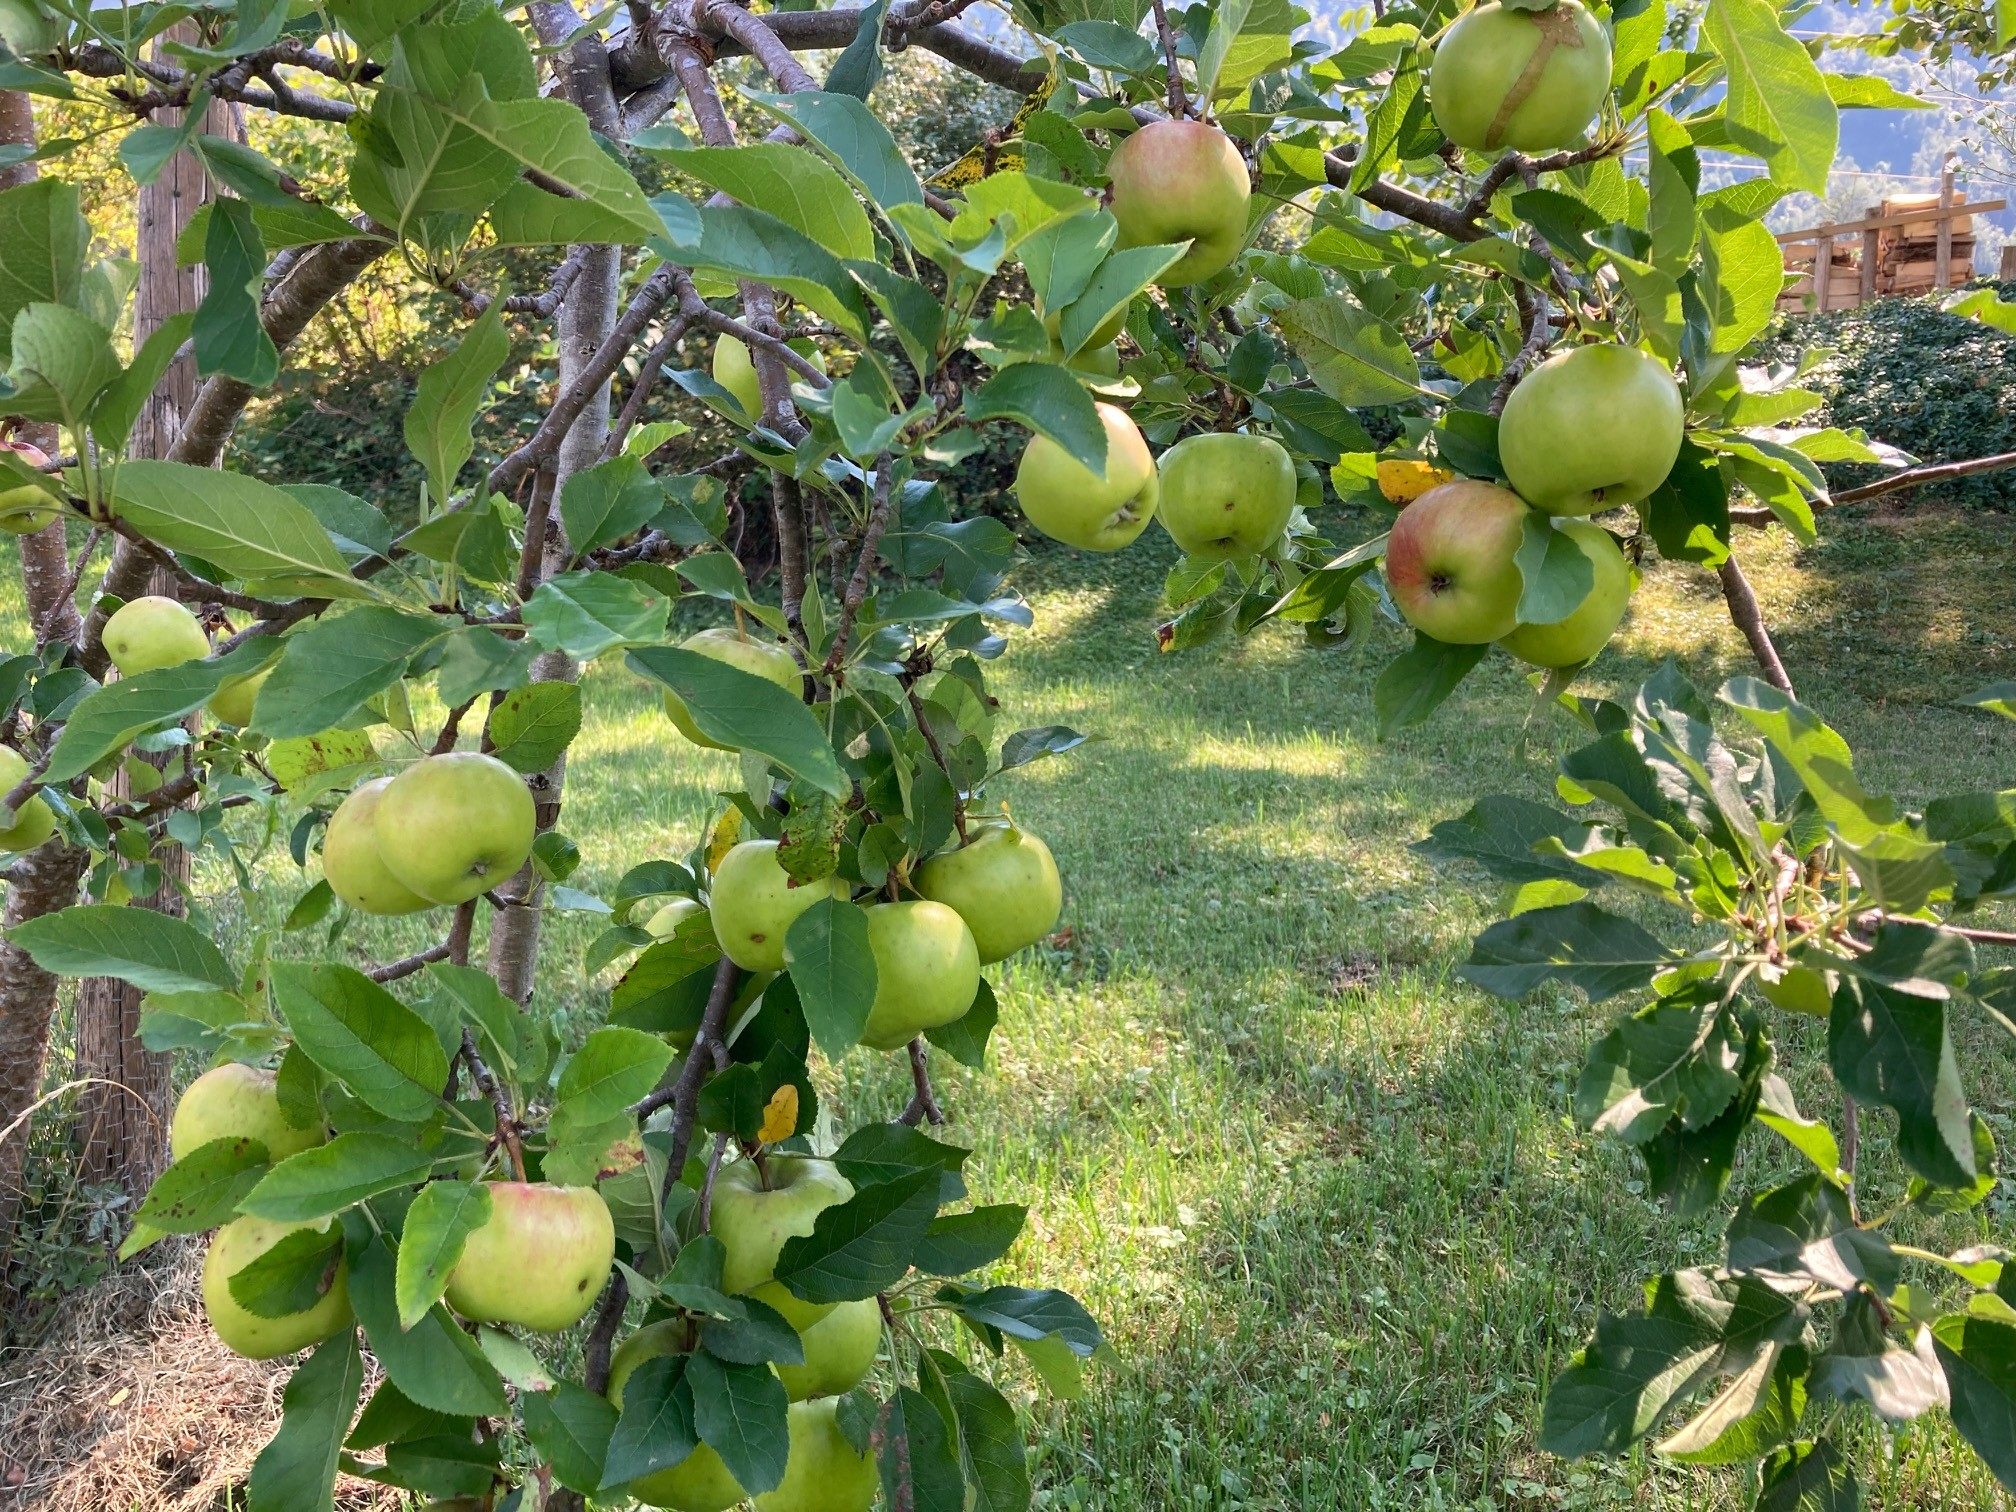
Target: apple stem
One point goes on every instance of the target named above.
(761, 1161)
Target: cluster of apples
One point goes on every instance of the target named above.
(1451, 561)
(539, 1261)
(756, 1208)
(446, 829)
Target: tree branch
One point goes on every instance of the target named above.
(1748, 617)
(923, 1101)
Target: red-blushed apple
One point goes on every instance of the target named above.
(1527, 79)
(237, 1245)
(147, 634)
(541, 1259)
(824, 1473)
(1177, 181)
(351, 864)
(1591, 428)
(1225, 495)
(927, 971)
(452, 827)
(235, 1101)
(759, 658)
(756, 1209)
(840, 1350)
(753, 903)
(1003, 882)
(34, 821)
(735, 370)
(1452, 562)
(1591, 623)
(233, 701)
(1068, 502)
(698, 1483)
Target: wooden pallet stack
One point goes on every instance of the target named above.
(1907, 255)
(1843, 284)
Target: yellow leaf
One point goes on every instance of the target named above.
(1403, 480)
(780, 1115)
(721, 839)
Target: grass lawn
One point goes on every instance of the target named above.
(1327, 1201)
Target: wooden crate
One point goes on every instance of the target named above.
(1843, 285)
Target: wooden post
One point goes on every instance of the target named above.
(1823, 273)
(1942, 276)
(1869, 255)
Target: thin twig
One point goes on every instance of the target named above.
(1179, 102)
(392, 971)
(500, 1100)
(1748, 617)
(1910, 477)
(879, 516)
(923, 1101)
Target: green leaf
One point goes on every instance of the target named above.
(739, 1411)
(1997, 698)
(204, 1188)
(292, 1276)
(746, 713)
(607, 502)
(588, 613)
(530, 727)
(1807, 1477)
(296, 1471)
(551, 138)
(63, 359)
(1680, 1057)
(441, 1218)
(1580, 944)
(739, 242)
(1025, 1313)
(863, 1245)
(957, 1243)
(229, 336)
(46, 237)
(965, 1038)
(1979, 1356)
(1354, 357)
(798, 187)
(613, 1069)
(834, 971)
(1820, 757)
(1050, 401)
(108, 718)
(917, 1454)
(656, 1428)
(446, 400)
(364, 1037)
(1892, 1048)
(1557, 573)
(1504, 835)
(570, 1427)
(336, 1175)
(156, 952)
(1415, 683)
(996, 1460)
(434, 1363)
(249, 529)
(853, 138)
(121, 401)
(332, 667)
(1778, 106)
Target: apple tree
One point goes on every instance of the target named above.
(1221, 235)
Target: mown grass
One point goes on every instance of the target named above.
(1327, 1200)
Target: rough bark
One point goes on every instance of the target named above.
(122, 1108)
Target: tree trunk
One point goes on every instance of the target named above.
(587, 315)
(44, 880)
(123, 1109)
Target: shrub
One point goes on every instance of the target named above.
(1939, 386)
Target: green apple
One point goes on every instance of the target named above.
(1797, 989)
(735, 371)
(1589, 626)
(1452, 562)
(840, 1350)
(27, 28)
(759, 658)
(34, 821)
(665, 922)
(753, 902)
(1592, 428)
(698, 1483)
(237, 1245)
(1069, 502)
(1003, 882)
(27, 503)
(146, 634)
(539, 1261)
(452, 827)
(235, 1101)
(927, 971)
(1527, 79)
(232, 702)
(1226, 495)
(1104, 335)
(823, 1473)
(752, 1220)
(351, 865)
(1176, 181)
